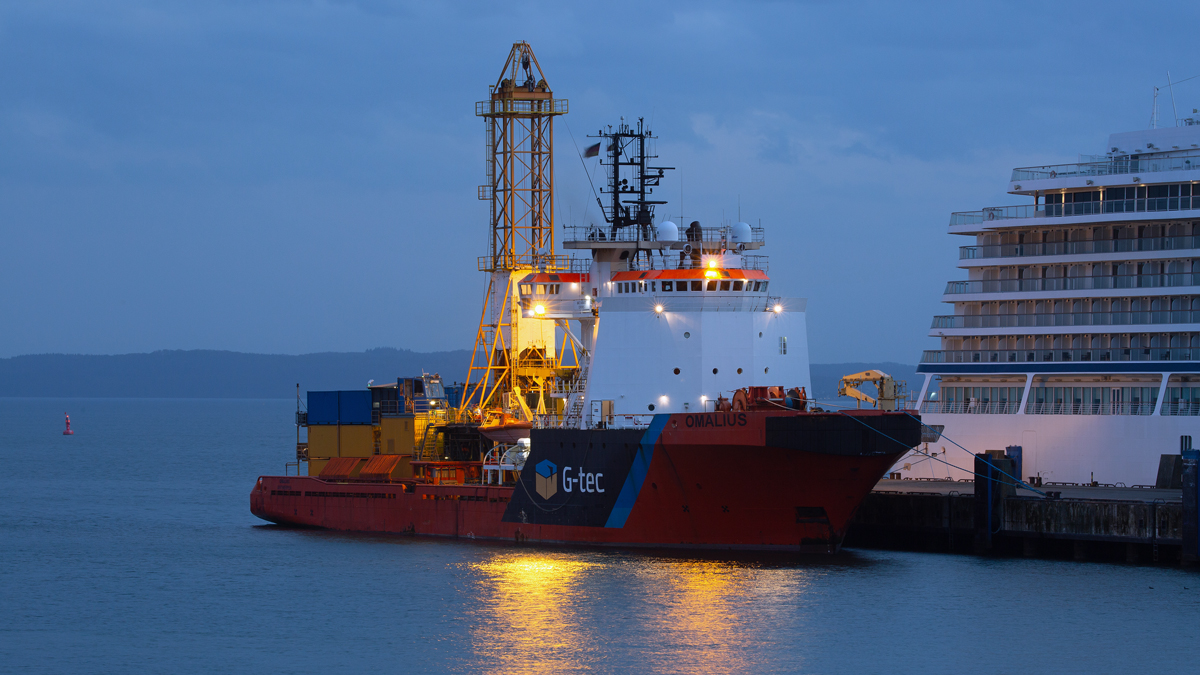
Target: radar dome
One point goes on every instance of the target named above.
(741, 234)
(668, 231)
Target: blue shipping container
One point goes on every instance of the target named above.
(322, 407)
(454, 394)
(354, 407)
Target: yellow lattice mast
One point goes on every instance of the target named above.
(515, 356)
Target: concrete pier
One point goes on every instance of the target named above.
(1075, 522)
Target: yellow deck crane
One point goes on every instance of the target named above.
(889, 391)
(516, 359)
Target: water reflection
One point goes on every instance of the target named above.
(566, 612)
(527, 619)
(712, 614)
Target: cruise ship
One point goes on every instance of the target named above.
(1076, 334)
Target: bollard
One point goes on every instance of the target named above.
(1191, 501)
(989, 501)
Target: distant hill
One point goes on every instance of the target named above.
(216, 374)
(220, 374)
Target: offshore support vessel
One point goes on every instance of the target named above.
(651, 394)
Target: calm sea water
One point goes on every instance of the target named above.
(129, 547)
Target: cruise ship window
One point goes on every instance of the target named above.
(737, 285)
(724, 285)
(712, 285)
(666, 286)
(697, 285)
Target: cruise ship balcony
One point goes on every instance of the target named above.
(1174, 409)
(971, 407)
(1083, 283)
(1107, 166)
(1067, 319)
(1163, 205)
(1155, 202)
(1079, 247)
(1157, 354)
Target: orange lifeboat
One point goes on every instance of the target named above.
(504, 428)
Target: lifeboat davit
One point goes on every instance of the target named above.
(505, 429)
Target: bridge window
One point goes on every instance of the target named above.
(712, 285)
(697, 286)
(724, 285)
(737, 285)
(666, 286)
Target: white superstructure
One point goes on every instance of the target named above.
(1077, 332)
(670, 330)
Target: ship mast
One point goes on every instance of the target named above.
(625, 153)
(515, 355)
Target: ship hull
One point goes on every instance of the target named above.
(738, 481)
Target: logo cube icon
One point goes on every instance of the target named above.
(546, 474)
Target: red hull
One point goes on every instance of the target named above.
(704, 487)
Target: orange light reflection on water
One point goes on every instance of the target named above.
(528, 620)
(553, 612)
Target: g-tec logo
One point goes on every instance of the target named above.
(547, 478)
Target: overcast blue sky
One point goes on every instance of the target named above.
(300, 176)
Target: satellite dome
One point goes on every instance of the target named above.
(668, 231)
(741, 234)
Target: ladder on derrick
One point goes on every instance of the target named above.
(574, 417)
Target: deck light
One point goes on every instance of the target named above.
(658, 309)
(778, 308)
(712, 263)
(539, 310)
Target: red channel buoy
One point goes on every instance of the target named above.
(67, 431)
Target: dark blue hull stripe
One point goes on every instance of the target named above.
(637, 473)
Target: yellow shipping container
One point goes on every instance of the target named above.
(358, 440)
(315, 466)
(323, 441)
(396, 436)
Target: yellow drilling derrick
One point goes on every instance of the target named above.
(515, 357)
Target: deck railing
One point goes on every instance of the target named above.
(1059, 355)
(1147, 205)
(1079, 247)
(1108, 167)
(1085, 283)
(649, 233)
(972, 407)
(1073, 408)
(1053, 408)
(1066, 319)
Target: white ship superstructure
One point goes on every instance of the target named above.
(669, 319)
(1077, 332)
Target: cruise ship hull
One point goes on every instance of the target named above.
(745, 480)
(1079, 448)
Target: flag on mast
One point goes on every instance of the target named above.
(592, 151)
